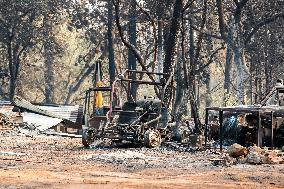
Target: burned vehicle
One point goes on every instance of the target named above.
(247, 125)
(146, 121)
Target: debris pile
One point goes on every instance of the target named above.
(237, 150)
(255, 155)
(5, 122)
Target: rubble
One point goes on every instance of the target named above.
(57, 162)
(237, 150)
(258, 155)
(255, 155)
(5, 122)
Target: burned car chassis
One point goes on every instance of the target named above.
(144, 121)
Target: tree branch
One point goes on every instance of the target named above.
(210, 60)
(262, 23)
(127, 43)
(154, 29)
(238, 11)
(206, 34)
(222, 24)
(188, 4)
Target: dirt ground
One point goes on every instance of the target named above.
(39, 161)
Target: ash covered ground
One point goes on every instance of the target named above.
(33, 160)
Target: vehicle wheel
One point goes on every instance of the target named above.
(152, 138)
(88, 137)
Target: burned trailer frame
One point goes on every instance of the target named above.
(138, 121)
(259, 113)
(268, 116)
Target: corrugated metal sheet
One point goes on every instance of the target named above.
(19, 102)
(41, 122)
(65, 112)
(43, 116)
(3, 102)
(71, 113)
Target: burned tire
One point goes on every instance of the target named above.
(152, 138)
(87, 137)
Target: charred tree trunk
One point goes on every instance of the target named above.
(179, 87)
(241, 74)
(49, 52)
(110, 43)
(12, 83)
(208, 99)
(160, 46)
(131, 56)
(49, 74)
(14, 64)
(235, 43)
(227, 79)
(160, 40)
(170, 46)
(228, 67)
(193, 68)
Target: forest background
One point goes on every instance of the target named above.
(222, 52)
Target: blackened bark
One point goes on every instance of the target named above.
(110, 43)
(228, 67)
(160, 45)
(232, 36)
(194, 56)
(14, 64)
(208, 100)
(49, 74)
(49, 52)
(132, 40)
(179, 87)
(170, 46)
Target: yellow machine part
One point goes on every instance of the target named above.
(99, 96)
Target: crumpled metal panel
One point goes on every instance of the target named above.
(64, 112)
(41, 122)
(68, 112)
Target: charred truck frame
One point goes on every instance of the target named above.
(262, 125)
(146, 121)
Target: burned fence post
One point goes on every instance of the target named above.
(259, 135)
(221, 129)
(272, 133)
(206, 126)
(89, 101)
(85, 103)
